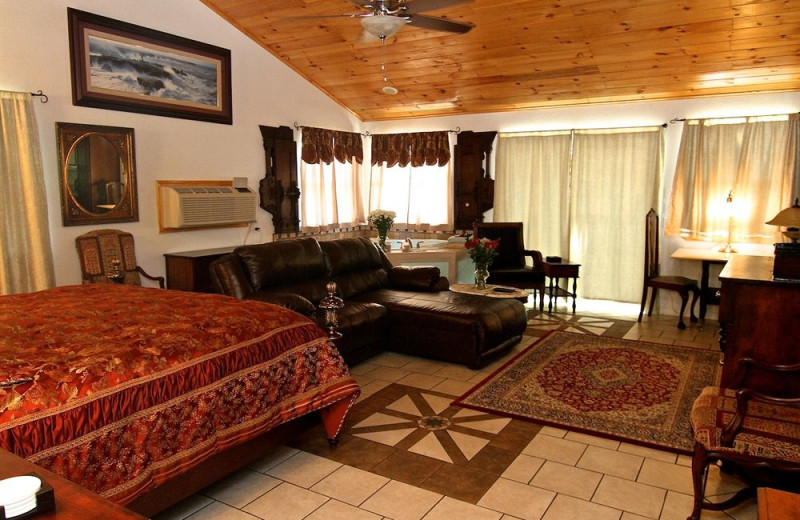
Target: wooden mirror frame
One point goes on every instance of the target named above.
(68, 136)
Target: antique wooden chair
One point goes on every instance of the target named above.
(107, 255)
(509, 267)
(753, 434)
(653, 279)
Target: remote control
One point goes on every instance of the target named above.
(504, 289)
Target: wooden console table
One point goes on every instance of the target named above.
(189, 270)
(555, 271)
(72, 501)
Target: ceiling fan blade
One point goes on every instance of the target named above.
(437, 24)
(419, 6)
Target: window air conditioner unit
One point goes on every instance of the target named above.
(196, 206)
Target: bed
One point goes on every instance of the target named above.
(122, 389)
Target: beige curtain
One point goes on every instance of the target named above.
(754, 160)
(412, 175)
(583, 195)
(330, 180)
(616, 176)
(532, 186)
(26, 260)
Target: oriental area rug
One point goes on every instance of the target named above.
(626, 390)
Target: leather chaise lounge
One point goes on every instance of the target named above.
(402, 309)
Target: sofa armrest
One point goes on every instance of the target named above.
(229, 277)
(291, 301)
(416, 278)
(536, 256)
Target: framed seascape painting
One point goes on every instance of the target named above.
(120, 66)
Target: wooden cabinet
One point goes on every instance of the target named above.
(72, 501)
(758, 318)
(189, 270)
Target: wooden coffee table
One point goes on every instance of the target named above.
(491, 291)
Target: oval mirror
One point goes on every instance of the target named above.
(98, 177)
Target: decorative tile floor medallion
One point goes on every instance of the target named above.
(540, 323)
(415, 436)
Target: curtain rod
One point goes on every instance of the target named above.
(40, 94)
(680, 119)
(298, 126)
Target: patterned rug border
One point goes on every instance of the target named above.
(461, 401)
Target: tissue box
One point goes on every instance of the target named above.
(45, 501)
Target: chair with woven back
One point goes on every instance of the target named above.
(654, 280)
(509, 266)
(108, 255)
(752, 433)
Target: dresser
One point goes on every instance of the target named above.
(760, 318)
(189, 270)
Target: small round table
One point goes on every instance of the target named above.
(490, 291)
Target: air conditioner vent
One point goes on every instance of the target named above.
(196, 206)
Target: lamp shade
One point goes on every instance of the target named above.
(789, 217)
(382, 26)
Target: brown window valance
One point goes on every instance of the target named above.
(321, 145)
(418, 148)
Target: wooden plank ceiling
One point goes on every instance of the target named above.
(524, 54)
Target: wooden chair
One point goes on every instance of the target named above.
(653, 279)
(509, 267)
(753, 434)
(100, 250)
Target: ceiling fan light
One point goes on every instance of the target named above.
(383, 26)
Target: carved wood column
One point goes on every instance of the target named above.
(474, 188)
(279, 189)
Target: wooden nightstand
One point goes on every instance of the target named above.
(555, 271)
(189, 270)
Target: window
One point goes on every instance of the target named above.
(752, 161)
(411, 175)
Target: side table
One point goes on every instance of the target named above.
(189, 270)
(555, 271)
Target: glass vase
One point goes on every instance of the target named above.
(481, 274)
(382, 243)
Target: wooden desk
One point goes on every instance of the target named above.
(555, 271)
(778, 505)
(708, 295)
(72, 501)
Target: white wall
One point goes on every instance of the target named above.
(621, 115)
(34, 54)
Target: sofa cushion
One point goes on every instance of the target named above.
(414, 278)
(281, 263)
(355, 264)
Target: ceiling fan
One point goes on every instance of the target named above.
(383, 18)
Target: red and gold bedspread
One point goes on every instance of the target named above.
(124, 387)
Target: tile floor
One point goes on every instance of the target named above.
(554, 474)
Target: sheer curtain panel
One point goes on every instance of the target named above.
(754, 160)
(532, 186)
(616, 176)
(26, 260)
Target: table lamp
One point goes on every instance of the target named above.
(790, 219)
(787, 254)
(729, 209)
